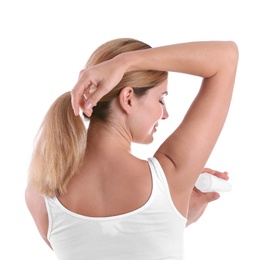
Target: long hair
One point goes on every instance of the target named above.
(61, 140)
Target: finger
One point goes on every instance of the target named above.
(82, 89)
(223, 175)
(87, 103)
(76, 95)
(87, 108)
(209, 170)
(89, 90)
(97, 93)
(210, 196)
(75, 100)
(87, 111)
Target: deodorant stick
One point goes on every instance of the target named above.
(207, 182)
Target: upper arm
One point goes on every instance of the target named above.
(37, 208)
(187, 149)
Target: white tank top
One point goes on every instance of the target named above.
(154, 231)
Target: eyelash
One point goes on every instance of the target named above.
(161, 102)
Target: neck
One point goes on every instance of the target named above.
(107, 138)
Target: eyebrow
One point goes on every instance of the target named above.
(165, 93)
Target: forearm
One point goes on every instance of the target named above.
(204, 59)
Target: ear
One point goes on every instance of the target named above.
(127, 99)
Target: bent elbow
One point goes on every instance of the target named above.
(232, 52)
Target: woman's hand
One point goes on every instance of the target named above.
(95, 82)
(200, 200)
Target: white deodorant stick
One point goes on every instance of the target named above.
(207, 182)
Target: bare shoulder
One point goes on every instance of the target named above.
(37, 208)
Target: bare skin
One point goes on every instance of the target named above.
(124, 183)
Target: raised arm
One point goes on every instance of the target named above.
(185, 152)
(189, 147)
(203, 59)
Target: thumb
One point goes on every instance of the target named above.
(211, 196)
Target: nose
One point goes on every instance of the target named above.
(165, 113)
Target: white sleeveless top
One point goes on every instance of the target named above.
(154, 231)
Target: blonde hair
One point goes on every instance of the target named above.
(61, 140)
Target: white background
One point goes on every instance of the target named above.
(44, 45)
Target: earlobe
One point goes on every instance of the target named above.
(126, 98)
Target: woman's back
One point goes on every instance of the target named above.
(108, 186)
(135, 234)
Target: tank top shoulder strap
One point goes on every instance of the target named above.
(160, 180)
(159, 175)
(157, 171)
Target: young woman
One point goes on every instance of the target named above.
(89, 196)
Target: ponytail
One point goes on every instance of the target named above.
(59, 148)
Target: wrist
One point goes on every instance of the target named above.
(128, 61)
(133, 61)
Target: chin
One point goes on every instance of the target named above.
(148, 140)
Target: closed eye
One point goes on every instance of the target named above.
(162, 101)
